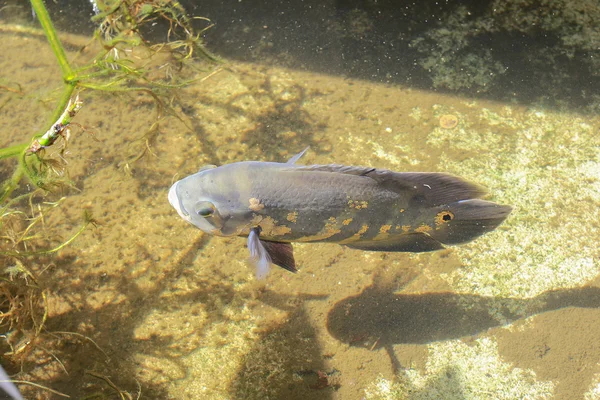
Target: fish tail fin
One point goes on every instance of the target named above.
(466, 220)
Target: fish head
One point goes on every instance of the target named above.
(209, 201)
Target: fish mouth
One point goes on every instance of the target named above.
(176, 202)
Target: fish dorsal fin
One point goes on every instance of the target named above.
(297, 156)
(435, 187)
(338, 169)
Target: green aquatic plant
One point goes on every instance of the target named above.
(124, 60)
(123, 21)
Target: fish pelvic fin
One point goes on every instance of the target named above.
(470, 219)
(282, 254)
(263, 253)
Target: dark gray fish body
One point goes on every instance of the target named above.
(364, 208)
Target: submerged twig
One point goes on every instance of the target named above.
(124, 395)
(39, 387)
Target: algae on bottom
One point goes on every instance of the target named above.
(457, 371)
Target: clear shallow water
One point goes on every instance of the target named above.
(511, 315)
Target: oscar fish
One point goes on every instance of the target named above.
(274, 204)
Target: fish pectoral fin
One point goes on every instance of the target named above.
(409, 242)
(282, 254)
(264, 252)
(258, 254)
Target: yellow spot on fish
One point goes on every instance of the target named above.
(347, 221)
(363, 229)
(357, 235)
(331, 228)
(443, 217)
(270, 229)
(405, 228)
(255, 204)
(292, 217)
(402, 210)
(358, 204)
(423, 228)
(385, 228)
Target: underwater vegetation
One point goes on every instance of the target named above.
(35, 172)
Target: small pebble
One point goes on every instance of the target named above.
(448, 121)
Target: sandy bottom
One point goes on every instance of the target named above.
(178, 314)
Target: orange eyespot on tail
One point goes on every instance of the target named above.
(465, 220)
(443, 217)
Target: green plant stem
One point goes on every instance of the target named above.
(62, 104)
(70, 79)
(12, 151)
(59, 51)
(57, 129)
(10, 185)
(69, 76)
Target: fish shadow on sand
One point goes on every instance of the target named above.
(287, 362)
(379, 318)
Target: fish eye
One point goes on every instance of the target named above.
(205, 212)
(205, 209)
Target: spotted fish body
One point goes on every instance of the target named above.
(360, 207)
